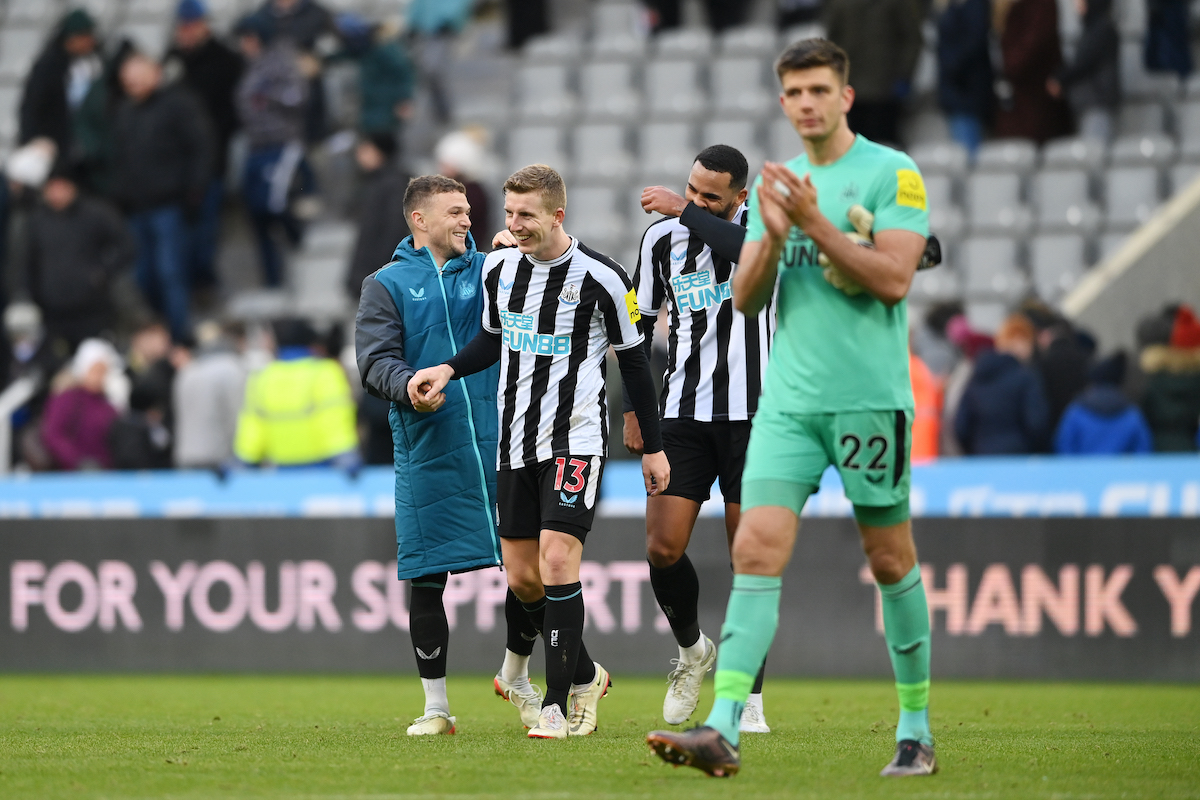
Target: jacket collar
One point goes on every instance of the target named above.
(405, 251)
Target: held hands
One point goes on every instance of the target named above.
(657, 472)
(661, 200)
(633, 433)
(425, 388)
(862, 220)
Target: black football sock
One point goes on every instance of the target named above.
(562, 636)
(521, 631)
(536, 611)
(758, 679)
(427, 624)
(585, 668)
(677, 590)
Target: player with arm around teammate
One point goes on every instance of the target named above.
(553, 307)
(715, 365)
(416, 311)
(837, 392)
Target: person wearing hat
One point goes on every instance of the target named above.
(1171, 400)
(76, 245)
(77, 420)
(211, 70)
(59, 80)
(1102, 420)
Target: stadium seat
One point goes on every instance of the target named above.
(30, 12)
(783, 143)
(947, 158)
(545, 93)
(601, 153)
(673, 90)
(808, 30)
(105, 12)
(925, 126)
(10, 99)
(739, 133)
(1069, 23)
(1130, 197)
(1182, 176)
(945, 216)
(1108, 244)
(1137, 83)
(924, 80)
(1062, 202)
(994, 204)
(536, 145)
(991, 269)
(1007, 155)
(152, 38)
(1137, 151)
(685, 43)
(158, 10)
(614, 19)
(592, 216)
(737, 88)
(758, 41)
(18, 49)
(667, 150)
(1057, 263)
(560, 46)
(936, 285)
(1142, 119)
(608, 92)
(1187, 123)
(1075, 152)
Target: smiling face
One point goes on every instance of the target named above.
(441, 224)
(815, 101)
(535, 226)
(711, 190)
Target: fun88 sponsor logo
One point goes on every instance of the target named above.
(696, 291)
(518, 337)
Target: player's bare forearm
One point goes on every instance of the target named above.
(755, 274)
(885, 271)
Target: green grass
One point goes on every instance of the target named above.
(343, 737)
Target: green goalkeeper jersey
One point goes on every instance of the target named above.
(831, 352)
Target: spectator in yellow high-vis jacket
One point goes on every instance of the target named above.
(298, 410)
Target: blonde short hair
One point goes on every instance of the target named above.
(541, 179)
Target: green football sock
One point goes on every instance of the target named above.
(750, 622)
(906, 628)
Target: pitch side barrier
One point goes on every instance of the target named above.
(1045, 598)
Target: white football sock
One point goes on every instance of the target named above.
(435, 695)
(690, 655)
(515, 669)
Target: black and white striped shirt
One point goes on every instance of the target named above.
(556, 320)
(716, 357)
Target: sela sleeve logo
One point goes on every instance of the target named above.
(631, 306)
(910, 189)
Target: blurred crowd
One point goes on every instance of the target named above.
(1039, 386)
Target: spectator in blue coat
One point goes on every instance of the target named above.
(1103, 421)
(1003, 409)
(965, 78)
(415, 312)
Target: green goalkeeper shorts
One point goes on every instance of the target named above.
(870, 449)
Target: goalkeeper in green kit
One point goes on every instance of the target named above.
(837, 392)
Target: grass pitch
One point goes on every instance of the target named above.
(343, 737)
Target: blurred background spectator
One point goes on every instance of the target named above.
(461, 155)
(1102, 420)
(1091, 80)
(1167, 47)
(77, 420)
(965, 77)
(381, 222)
(1171, 398)
(435, 24)
(1003, 409)
(720, 14)
(59, 81)
(883, 39)
(1031, 54)
(298, 410)
(208, 393)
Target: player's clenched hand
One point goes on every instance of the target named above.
(504, 238)
(425, 388)
(657, 472)
(633, 433)
(661, 200)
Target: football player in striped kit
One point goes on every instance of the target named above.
(716, 361)
(553, 307)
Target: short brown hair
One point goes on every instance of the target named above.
(812, 53)
(541, 179)
(423, 187)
